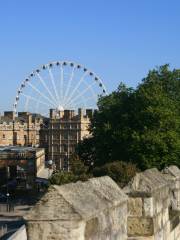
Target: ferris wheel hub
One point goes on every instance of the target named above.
(60, 108)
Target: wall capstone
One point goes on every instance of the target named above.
(96, 209)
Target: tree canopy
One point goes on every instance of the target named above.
(140, 126)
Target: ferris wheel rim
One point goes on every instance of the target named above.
(49, 66)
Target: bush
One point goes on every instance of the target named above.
(60, 178)
(120, 172)
(78, 172)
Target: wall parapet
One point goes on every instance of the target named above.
(153, 205)
(147, 208)
(96, 209)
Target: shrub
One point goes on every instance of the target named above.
(78, 172)
(120, 172)
(60, 178)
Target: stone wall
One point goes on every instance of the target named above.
(172, 174)
(148, 208)
(96, 209)
(148, 205)
(19, 235)
(153, 205)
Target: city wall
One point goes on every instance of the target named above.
(148, 208)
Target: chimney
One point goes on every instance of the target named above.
(52, 113)
(80, 113)
(89, 113)
(67, 114)
(9, 114)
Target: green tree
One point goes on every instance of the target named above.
(141, 125)
(86, 150)
(156, 138)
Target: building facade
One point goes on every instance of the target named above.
(22, 130)
(66, 129)
(21, 164)
(58, 134)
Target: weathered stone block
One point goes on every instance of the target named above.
(177, 232)
(135, 206)
(141, 238)
(159, 235)
(166, 231)
(166, 203)
(148, 208)
(165, 216)
(140, 226)
(157, 220)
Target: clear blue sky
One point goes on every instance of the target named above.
(119, 39)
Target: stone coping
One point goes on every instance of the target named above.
(146, 183)
(77, 201)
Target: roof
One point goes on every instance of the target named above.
(77, 201)
(18, 149)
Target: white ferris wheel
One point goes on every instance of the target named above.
(59, 85)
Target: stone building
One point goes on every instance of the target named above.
(21, 164)
(22, 130)
(65, 129)
(58, 135)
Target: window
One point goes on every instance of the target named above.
(64, 148)
(65, 136)
(66, 125)
(4, 136)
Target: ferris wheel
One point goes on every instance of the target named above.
(59, 85)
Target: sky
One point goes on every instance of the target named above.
(121, 40)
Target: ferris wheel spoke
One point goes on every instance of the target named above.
(77, 86)
(61, 84)
(91, 89)
(83, 101)
(26, 104)
(81, 93)
(45, 86)
(53, 83)
(44, 96)
(69, 83)
(36, 100)
(37, 107)
(77, 106)
(79, 101)
(72, 105)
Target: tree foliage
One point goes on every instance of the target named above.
(141, 125)
(120, 172)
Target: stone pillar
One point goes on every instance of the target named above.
(172, 174)
(148, 206)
